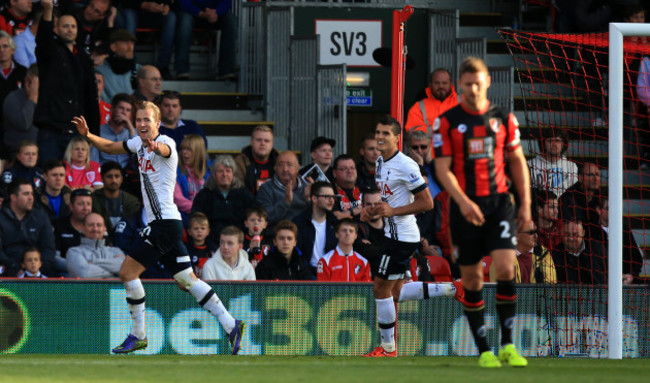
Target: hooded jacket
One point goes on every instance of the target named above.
(216, 268)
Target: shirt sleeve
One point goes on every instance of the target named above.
(412, 177)
(513, 133)
(133, 144)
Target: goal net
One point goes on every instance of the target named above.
(563, 82)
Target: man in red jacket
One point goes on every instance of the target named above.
(441, 96)
(343, 264)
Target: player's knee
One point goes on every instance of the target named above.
(185, 279)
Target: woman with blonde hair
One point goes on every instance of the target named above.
(191, 174)
(80, 171)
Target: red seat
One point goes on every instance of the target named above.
(440, 270)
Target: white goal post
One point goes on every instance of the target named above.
(615, 268)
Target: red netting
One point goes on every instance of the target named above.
(563, 80)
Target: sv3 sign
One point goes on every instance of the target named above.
(349, 42)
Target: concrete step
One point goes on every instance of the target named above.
(499, 60)
(231, 128)
(214, 100)
(469, 31)
(557, 118)
(222, 115)
(234, 145)
(201, 86)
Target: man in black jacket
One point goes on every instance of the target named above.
(284, 262)
(67, 85)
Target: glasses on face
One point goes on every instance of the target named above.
(530, 232)
(328, 196)
(421, 147)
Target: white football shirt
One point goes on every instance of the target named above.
(398, 178)
(157, 178)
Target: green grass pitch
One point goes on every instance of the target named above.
(308, 369)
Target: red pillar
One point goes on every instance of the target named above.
(398, 66)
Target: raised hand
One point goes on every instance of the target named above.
(82, 126)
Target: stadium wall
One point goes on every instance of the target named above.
(81, 317)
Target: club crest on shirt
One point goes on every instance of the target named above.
(357, 269)
(437, 140)
(462, 128)
(90, 176)
(495, 124)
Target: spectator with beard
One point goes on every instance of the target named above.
(111, 202)
(256, 162)
(348, 203)
(441, 96)
(551, 170)
(120, 66)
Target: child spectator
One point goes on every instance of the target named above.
(191, 174)
(199, 246)
(255, 243)
(31, 264)
(24, 167)
(284, 261)
(230, 262)
(81, 172)
(343, 264)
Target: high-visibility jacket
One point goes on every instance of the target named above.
(423, 113)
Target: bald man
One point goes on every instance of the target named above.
(284, 196)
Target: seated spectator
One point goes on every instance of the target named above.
(104, 107)
(283, 197)
(31, 264)
(284, 262)
(534, 263)
(348, 201)
(230, 262)
(111, 202)
(21, 227)
(321, 155)
(419, 149)
(24, 167)
(547, 220)
(148, 83)
(316, 236)
(95, 23)
(26, 42)
(119, 128)
(256, 162)
(440, 97)
(551, 170)
(120, 66)
(343, 264)
(578, 260)
(579, 201)
(371, 232)
(81, 172)
(68, 229)
(171, 123)
(12, 78)
(18, 112)
(366, 165)
(632, 256)
(210, 14)
(199, 246)
(191, 174)
(223, 199)
(15, 18)
(256, 243)
(53, 197)
(93, 258)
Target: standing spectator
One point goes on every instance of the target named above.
(551, 170)
(66, 84)
(93, 258)
(26, 42)
(111, 202)
(366, 165)
(31, 264)
(119, 128)
(21, 226)
(316, 234)
(172, 124)
(284, 262)
(68, 229)
(104, 107)
(12, 77)
(96, 21)
(199, 247)
(24, 167)
(256, 162)
(578, 260)
(81, 172)
(53, 197)
(348, 195)
(343, 264)
(579, 202)
(120, 65)
(149, 83)
(207, 14)
(16, 18)
(283, 197)
(18, 111)
(321, 155)
(441, 96)
(371, 231)
(223, 199)
(230, 262)
(191, 174)
(547, 218)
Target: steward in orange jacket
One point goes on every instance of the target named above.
(441, 96)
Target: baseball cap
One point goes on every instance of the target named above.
(318, 141)
(122, 35)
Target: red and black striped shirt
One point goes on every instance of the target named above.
(476, 141)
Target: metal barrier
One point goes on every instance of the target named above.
(443, 32)
(303, 92)
(501, 91)
(332, 118)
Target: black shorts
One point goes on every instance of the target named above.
(162, 240)
(498, 232)
(394, 259)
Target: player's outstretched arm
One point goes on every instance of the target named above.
(468, 208)
(159, 148)
(106, 146)
(521, 179)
